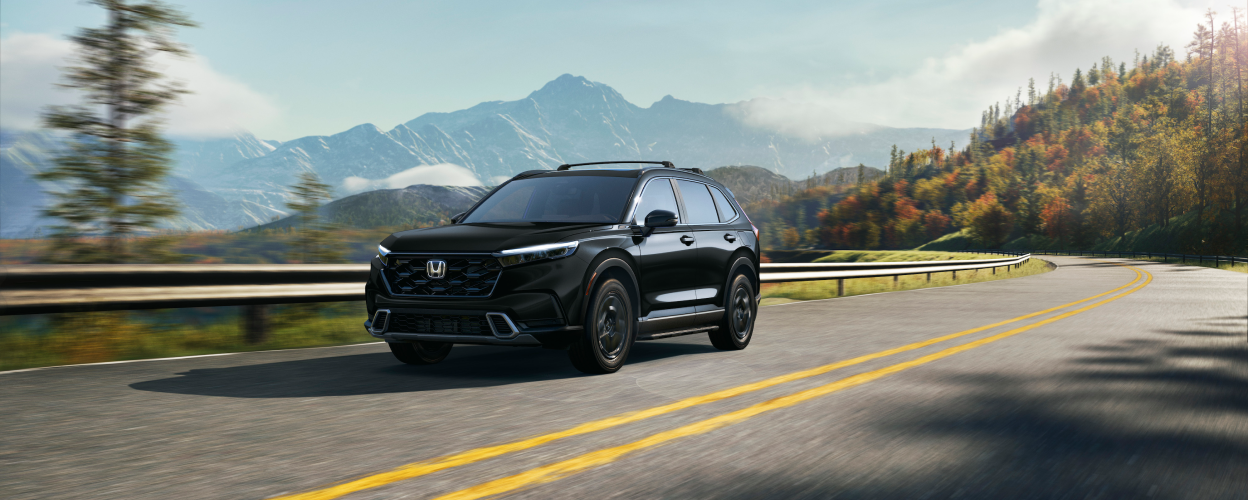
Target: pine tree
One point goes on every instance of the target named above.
(114, 168)
(314, 242)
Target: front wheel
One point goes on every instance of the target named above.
(421, 353)
(610, 327)
(737, 327)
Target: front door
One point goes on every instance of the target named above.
(668, 256)
(716, 241)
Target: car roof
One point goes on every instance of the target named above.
(644, 172)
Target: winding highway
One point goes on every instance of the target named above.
(1102, 379)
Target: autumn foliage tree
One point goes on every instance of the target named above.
(1118, 149)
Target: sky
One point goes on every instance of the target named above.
(288, 69)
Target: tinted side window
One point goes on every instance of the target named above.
(658, 195)
(698, 204)
(726, 212)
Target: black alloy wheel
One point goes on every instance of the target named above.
(420, 353)
(737, 327)
(610, 328)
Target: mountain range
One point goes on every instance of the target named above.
(242, 181)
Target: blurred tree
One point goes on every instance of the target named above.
(113, 171)
(986, 220)
(314, 241)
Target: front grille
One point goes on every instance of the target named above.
(448, 324)
(466, 276)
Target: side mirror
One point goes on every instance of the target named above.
(457, 217)
(661, 218)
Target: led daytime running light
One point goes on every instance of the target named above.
(516, 256)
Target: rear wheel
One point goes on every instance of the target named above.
(737, 327)
(421, 353)
(610, 327)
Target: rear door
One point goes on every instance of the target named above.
(668, 256)
(715, 239)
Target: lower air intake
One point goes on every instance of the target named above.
(380, 319)
(502, 326)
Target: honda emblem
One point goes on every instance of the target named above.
(435, 268)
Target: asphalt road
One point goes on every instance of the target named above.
(1140, 396)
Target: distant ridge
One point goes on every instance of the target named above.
(413, 206)
(242, 180)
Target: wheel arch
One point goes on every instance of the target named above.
(741, 261)
(612, 263)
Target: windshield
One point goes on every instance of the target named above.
(556, 199)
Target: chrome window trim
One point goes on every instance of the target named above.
(632, 209)
(680, 202)
(731, 200)
(709, 186)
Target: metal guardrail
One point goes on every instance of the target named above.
(36, 289)
(841, 271)
(1182, 258)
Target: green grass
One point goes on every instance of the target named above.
(780, 293)
(898, 256)
(64, 339)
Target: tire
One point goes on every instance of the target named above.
(737, 327)
(420, 353)
(610, 329)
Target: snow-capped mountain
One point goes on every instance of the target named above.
(242, 180)
(569, 120)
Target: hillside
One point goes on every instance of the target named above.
(1150, 158)
(750, 183)
(414, 206)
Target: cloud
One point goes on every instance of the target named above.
(218, 105)
(442, 174)
(951, 91)
(807, 120)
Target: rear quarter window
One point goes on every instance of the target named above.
(698, 203)
(726, 211)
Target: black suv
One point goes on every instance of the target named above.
(587, 260)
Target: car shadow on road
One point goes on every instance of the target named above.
(380, 373)
(1156, 416)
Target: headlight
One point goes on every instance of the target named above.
(382, 252)
(529, 254)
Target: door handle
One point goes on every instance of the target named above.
(686, 239)
(730, 237)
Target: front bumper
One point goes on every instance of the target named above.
(534, 298)
(556, 338)
(524, 319)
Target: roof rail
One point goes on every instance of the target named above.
(668, 164)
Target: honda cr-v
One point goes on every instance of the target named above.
(584, 259)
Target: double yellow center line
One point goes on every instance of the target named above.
(560, 469)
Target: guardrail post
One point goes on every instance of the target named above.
(255, 323)
(895, 278)
(955, 275)
(840, 288)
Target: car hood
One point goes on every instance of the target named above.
(483, 237)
